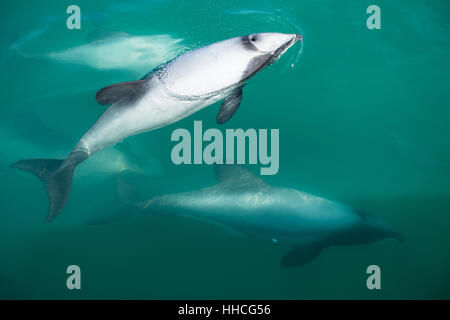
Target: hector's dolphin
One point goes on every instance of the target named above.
(190, 82)
(108, 50)
(245, 203)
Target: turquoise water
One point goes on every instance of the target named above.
(363, 118)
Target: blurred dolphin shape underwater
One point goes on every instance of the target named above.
(185, 85)
(245, 203)
(110, 50)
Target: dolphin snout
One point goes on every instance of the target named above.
(298, 37)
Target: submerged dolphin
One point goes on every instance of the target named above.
(110, 50)
(245, 203)
(190, 82)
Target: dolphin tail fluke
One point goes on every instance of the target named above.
(57, 176)
(300, 255)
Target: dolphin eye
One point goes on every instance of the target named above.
(252, 38)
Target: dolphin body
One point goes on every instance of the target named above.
(243, 202)
(108, 50)
(185, 85)
(129, 52)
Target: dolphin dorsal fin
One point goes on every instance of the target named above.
(236, 176)
(122, 92)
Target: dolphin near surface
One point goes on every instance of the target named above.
(27, 133)
(109, 50)
(243, 202)
(185, 85)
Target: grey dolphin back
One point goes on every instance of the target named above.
(57, 175)
(124, 92)
(236, 177)
(300, 255)
(229, 106)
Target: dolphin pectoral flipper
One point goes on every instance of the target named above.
(229, 106)
(124, 92)
(300, 255)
